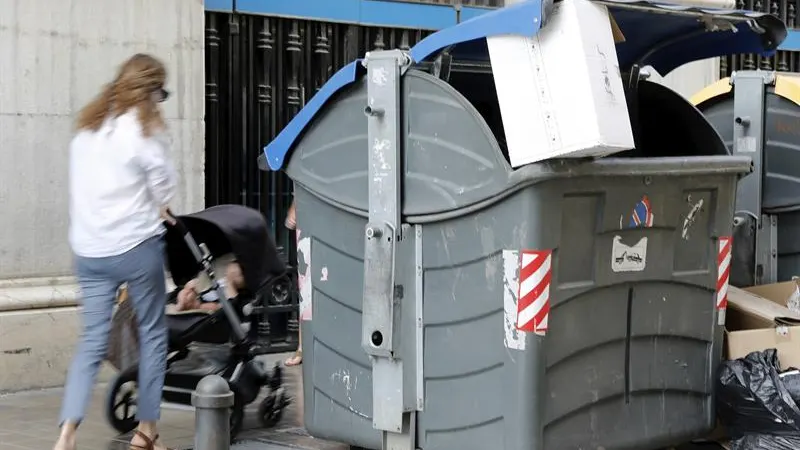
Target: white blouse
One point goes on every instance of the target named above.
(118, 180)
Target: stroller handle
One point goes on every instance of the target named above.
(175, 222)
(181, 227)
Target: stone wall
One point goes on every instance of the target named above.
(54, 57)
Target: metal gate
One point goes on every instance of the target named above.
(259, 73)
(783, 60)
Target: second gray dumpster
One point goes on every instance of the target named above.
(463, 304)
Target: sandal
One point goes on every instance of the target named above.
(295, 359)
(149, 444)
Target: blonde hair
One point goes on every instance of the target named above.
(137, 79)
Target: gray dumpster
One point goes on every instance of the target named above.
(767, 249)
(452, 302)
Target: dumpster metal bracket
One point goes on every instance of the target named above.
(767, 249)
(381, 296)
(383, 229)
(419, 325)
(749, 116)
(404, 440)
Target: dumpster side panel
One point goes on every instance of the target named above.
(478, 394)
(337, 374)
(629, 352)
(633, 334)
(781, 194)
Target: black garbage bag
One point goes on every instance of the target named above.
(758, 404)
(765, 442)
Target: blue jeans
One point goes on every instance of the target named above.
(99, 278)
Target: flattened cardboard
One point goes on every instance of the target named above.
(748, 310)
(785, 339)
(779, 293)
(616, 32)
(758, 318)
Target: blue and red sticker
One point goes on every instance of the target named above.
(642, 214)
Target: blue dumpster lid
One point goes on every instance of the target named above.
(663, 36)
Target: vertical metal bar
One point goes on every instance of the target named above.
(749, 113)
(418, 317)
(403, 440)
(247, 94)
(382, 234)
(266, 47)
(235, 139)
(767, 249)
(223, 125)
(276, 179)
(212, 109)
(294, 102)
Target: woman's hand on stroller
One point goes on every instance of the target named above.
(167, 216)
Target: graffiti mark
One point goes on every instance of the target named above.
(691, 217)
(18, 351)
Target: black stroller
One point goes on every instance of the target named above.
(262, 319)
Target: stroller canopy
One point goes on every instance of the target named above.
(225, 229)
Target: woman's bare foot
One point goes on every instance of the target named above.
(66, 443)
(294, 360)
(67, 438)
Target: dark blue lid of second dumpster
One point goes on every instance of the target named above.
(662, 36)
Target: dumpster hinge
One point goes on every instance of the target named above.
(382, 295)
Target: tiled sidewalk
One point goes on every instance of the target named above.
(28, 422)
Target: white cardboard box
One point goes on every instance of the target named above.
(560, 92)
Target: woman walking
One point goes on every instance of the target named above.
(121, 182)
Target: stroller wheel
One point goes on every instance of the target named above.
(270, 411)
(121, 402)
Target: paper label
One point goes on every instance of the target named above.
(626, 258)
(746, 144)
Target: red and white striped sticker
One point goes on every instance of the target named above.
(723, 275)
(533, 306)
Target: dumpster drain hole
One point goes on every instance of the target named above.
(377, 338)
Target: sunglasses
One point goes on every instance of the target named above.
(163, 95)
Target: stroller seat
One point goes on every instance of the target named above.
(185, 327)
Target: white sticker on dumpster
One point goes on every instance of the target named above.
(304, 275)
(513, 338)
(626, 258)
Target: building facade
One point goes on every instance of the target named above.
(54, 57)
